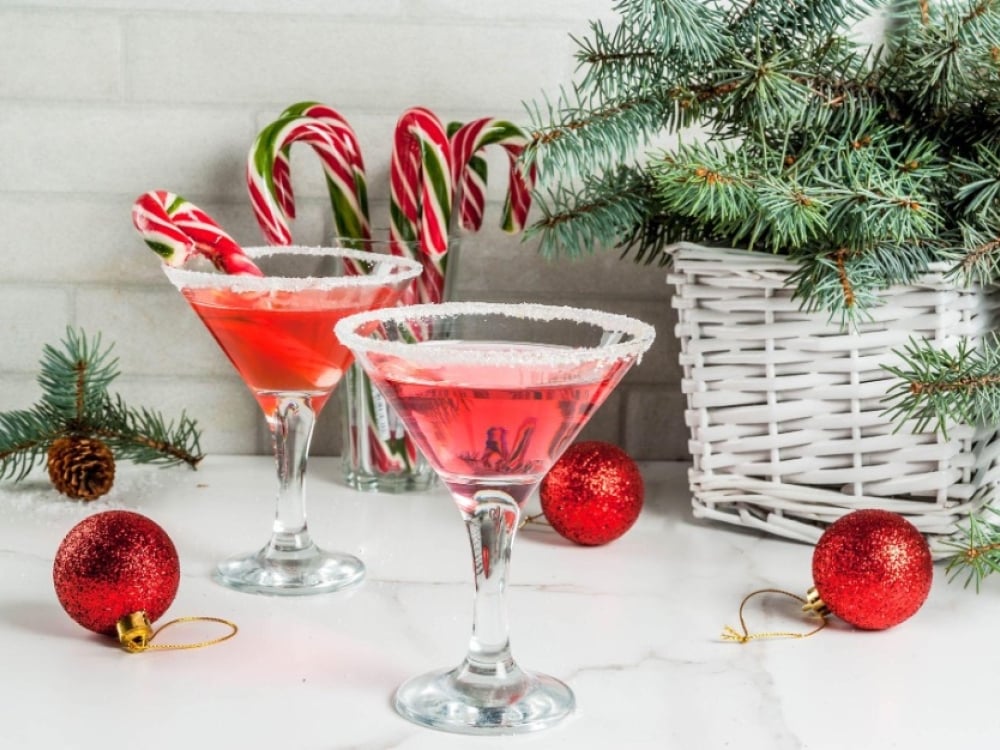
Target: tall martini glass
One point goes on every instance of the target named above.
(492, 394)
(277, 330)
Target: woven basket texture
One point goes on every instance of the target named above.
(785, 407)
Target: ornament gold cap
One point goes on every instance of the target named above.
(814, 603)
(134, 631)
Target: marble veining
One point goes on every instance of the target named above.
(633, 627)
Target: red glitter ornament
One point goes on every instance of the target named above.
(593, 493)
(112, 565)
(872, 568)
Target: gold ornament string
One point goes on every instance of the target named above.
(731, 634)
(135, 633)
(537, 518)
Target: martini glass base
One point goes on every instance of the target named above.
(300, 573)
(460, 701)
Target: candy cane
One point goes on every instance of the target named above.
(470, 179)
(352, 151)
(477, 166)
(420, 199)
(177, 230)
(270, 191)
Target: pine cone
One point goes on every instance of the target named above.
(81, 468)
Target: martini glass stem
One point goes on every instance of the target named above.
(291, 424)
(491, 526)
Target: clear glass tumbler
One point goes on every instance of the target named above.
(378, 453)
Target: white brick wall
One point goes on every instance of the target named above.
(101, 100)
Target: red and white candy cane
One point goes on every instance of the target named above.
(177, 230)
(470, 184)
(281, 170)
(270, 191)
(420, 199)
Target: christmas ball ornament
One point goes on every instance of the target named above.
(80, 467)
(115, 566)
(593, 493)
(871, 568)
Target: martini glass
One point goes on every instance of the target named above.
(492, 394)
(277, 330)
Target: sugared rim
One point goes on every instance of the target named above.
(641, 334)
(406, 269)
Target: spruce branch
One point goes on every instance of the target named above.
(684, 30)
(618, 62)
(25, 436)
(594, 214)
(977, 555)
(979, 181)
(787, 23)
(144, 436)
(765, 124)
(829, 144)
(978, 256)
(578, 137)
(75, 403)
(941, 388)
(75, 379)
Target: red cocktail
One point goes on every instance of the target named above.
(277, 330)
(492, 394)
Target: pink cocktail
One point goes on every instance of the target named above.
(492, 394)
(277, 330)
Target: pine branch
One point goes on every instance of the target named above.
(754, 202)
(863, 164)
(143, 436)
(598, 214)
(865, 216)
(75, 378)
(685, 30)
(860, 162)
(25, 436)
(847, 282)
(648, 241)
(761, 92)
(939, 55)
(978, 257)
(581, 136)
(619, 62)
(942, 388)
(785, 24)
(978, 554)
(711, 184)
(75, 403)
(978, 191)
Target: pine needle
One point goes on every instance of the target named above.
(806, 141)
(75, 402)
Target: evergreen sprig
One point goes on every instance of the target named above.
(862, 162)
(977, 553)
(766, 124)
(595, 214)
(75, 402)
(939, 388)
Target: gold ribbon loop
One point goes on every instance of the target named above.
(731, 634)
(135, 633)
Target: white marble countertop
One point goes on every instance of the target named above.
(633, 627)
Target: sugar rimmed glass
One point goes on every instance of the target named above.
(277, 330)
(492, 394)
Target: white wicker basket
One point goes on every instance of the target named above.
(785, 407)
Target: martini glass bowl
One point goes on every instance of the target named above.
(277, 330)
(492, 394)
